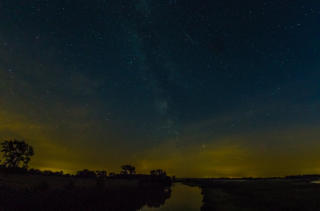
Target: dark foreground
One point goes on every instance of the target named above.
(32, 192)
(38, 192)
(261, 195)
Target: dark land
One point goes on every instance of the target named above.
(36, 190)
(289, 193)
(25, 191)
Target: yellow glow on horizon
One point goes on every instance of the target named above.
(288, 152)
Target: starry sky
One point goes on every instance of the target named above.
(204, 88)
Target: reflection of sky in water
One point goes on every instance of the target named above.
(182, 198)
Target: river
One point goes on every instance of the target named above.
(183, 197)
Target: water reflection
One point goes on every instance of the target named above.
(183, 197)
(157, 198)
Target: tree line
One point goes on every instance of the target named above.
(17, 155)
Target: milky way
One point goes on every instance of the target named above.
(199, 88)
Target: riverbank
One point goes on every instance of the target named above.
(259, 194)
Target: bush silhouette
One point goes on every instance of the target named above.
(86, 174)
(101, 174)
(128, 170)
(158, 172)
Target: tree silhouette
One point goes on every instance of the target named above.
(16, 153)
(101, 174)
(85, 173)
(158, 172)
(128, 170)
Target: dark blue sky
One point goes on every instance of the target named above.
(154, 80)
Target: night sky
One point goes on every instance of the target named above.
(200, 88)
